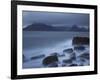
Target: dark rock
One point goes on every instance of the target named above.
(38, 57)
(85, 56)
(67, 61)
(73, 56)
(50, 60)
(70, 50)
(83, 60)
(54, 54)
(80, 48)
(63, 65)
(73, 65)
(61, 55)
(80, 41)
(55, 64)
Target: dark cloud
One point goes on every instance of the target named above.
(55, 18)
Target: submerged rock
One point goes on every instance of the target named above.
(80, 41)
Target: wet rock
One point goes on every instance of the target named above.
(82, 61)
(55, 64)
(50, 60)
(69, 54)
(67, 61)
(85, 56)
(63, 65)
(70, 50)
(55, 54)
(38, 57)
(79, 48)
(73, 65)
(80, 41)
(61, 55)
(73, 56)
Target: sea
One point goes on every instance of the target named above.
(37, 43)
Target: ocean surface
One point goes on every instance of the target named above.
(37, 43)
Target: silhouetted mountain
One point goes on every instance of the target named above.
(38, 27)
(45, 27)
(76, 28)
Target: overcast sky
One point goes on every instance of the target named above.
(54, 18)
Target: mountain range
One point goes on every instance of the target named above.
(46, 27)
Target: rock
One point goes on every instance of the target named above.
(55, 64)
(61, 55)
(63, 65)
(70, 50)
(38, 57)
(82, 61)
(55, 54)
(85, 56)
(79, 48)
(67, 61)
(50, 60)
(73, 65)
(80, 41)
(69, 54)
(73, 56)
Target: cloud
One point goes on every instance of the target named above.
(54, 18)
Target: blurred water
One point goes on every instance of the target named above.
(43, 42)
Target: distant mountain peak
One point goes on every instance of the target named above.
(47, 27)
(37, 26)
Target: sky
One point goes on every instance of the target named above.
(54, 18)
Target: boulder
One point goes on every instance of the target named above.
(55, 64)
(50, 60)
(80, 41)
(70, 50)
